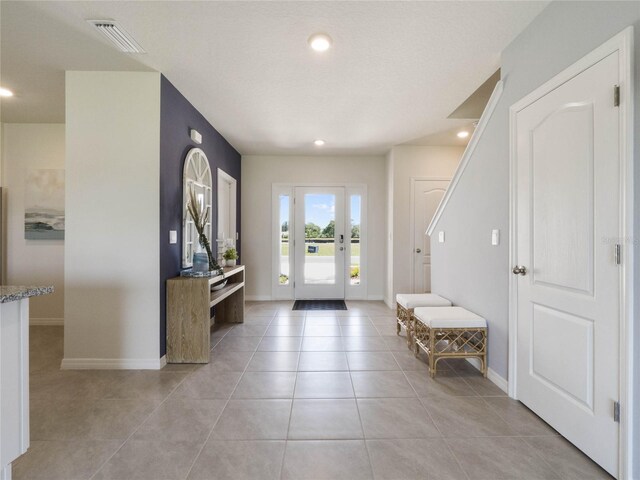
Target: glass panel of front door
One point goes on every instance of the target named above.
(283, 241)
(320, 242)
(355, 210)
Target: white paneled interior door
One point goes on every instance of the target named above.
(567, 192)
(427, 195)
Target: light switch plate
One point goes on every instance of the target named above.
(173, 237)
(441, 237)
(495, 237)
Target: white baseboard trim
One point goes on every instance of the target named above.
(46, 321)
(258, 298)
(498, 381)
(375, 298)
(113, 363)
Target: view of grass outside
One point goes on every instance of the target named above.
(319, 239)
(324, 249)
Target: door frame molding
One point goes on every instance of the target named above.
(412, 226)
(233, 199)
(622, 43)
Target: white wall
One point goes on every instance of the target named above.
(259, 173)
(405, 163)
(467, 269)
(112, 227)
(32, 262)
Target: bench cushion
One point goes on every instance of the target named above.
(413, 300)
(453, 317)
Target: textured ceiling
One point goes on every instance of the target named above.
(396, 71)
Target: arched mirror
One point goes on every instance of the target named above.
(197, 176)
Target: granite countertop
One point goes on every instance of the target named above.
(10, 293)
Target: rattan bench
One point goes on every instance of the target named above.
(407, 302)
(450, 333)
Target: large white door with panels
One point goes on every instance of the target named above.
(427, 195)
(320, 243)
(568, 209)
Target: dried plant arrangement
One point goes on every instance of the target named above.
(200, 217)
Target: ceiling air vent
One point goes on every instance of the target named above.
(117, 35)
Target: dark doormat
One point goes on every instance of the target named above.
(319, 305)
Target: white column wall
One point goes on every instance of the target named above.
(112, 220)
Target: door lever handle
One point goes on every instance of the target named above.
(418, 250)
(341, 238)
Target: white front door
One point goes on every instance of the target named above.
(427, 195)
(567, 175)
(320, 242)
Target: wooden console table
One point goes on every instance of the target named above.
(189, 303)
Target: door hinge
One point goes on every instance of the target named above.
(616, 412)
(618, 254)
(616, 95)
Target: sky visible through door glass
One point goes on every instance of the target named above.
(322, 209)
(284, 209)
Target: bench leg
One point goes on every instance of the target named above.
(432, 354)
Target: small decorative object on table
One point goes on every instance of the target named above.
(230, 256)
(219, 285)
(201, 264)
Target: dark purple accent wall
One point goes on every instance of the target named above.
(177, 117)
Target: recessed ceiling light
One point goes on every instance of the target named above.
(463, 134)
(318, 143)
(5, 92)
(320, 42)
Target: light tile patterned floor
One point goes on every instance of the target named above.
(321, 395)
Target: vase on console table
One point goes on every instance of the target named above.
(200, 260)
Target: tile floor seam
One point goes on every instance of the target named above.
(195, 459)
(211, 347)
(286, 440)
(140, 425)
(471, 386)
(541, 457)
(421, 403)
(455, 457)
(364, 438)
(435, 424)
(497, 414)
